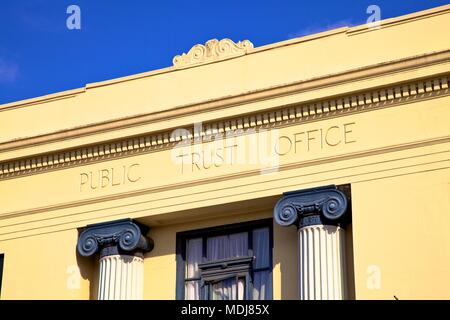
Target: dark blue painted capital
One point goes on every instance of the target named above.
(324, 205)
(116, 237)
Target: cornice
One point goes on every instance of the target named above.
(42, 99)
(424, 14)
(385, 68)
(400, 20)
(286, 115)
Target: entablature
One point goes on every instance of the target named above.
(90, 147)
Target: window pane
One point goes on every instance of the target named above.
(192, 290)
(241, 288)
(239, 244)
(194, 257)
(229, 283)
(262, 285)
(229, 289)
(224, 247)
(217, 248)
(2, 257)
(261, 248)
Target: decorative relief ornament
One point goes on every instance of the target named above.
(116, 237)
(211, 51)
(325, 205)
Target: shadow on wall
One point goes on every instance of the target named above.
(350, 264)
(286, 256)
(88, 270)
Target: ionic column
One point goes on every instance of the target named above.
(319, 215)
(121, 245)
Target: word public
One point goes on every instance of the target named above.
(109, 177)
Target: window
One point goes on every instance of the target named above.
(232, 262)
(2, 256)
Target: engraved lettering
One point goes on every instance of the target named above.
(310, 138)
(327, 140)
(130, 176)
(92, 180)
(277, 150)
(104, 178)
(196, 161)
(296, 140)
(204, 159)
(321, 139)
(230, 149)
(219, 157)
(110, 177)
(347, 131)
(84, 179)
(246, 150)
(182, 161)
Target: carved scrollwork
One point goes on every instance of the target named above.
(212, 50)
(326, 205)
(286, 215)
(121, 236)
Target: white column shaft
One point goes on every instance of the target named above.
(121, 278)
(322, 263)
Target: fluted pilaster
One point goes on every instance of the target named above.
(121, 245)
(322, 263)
(121, 278)
(319, 215)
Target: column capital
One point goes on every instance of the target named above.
(123, 236)
(325, 205)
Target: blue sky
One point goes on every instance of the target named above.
(40, 55)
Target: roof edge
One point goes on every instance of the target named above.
(348, 30)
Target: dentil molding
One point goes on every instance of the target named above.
(285, 115)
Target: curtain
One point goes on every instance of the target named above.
(193, 257)
(229, 289)
(262, 280)
(262, 285)
(224, 247)
(228, 246)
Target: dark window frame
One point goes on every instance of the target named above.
(2, 259)
(204, 233)
(214, 271)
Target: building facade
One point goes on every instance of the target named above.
(314, 168)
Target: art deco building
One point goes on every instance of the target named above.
(313, 168)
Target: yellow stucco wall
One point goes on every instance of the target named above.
(404, 235)
(374, 115)
(45, 266)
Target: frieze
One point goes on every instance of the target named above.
(286, 115)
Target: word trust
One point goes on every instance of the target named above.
(264, 148)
